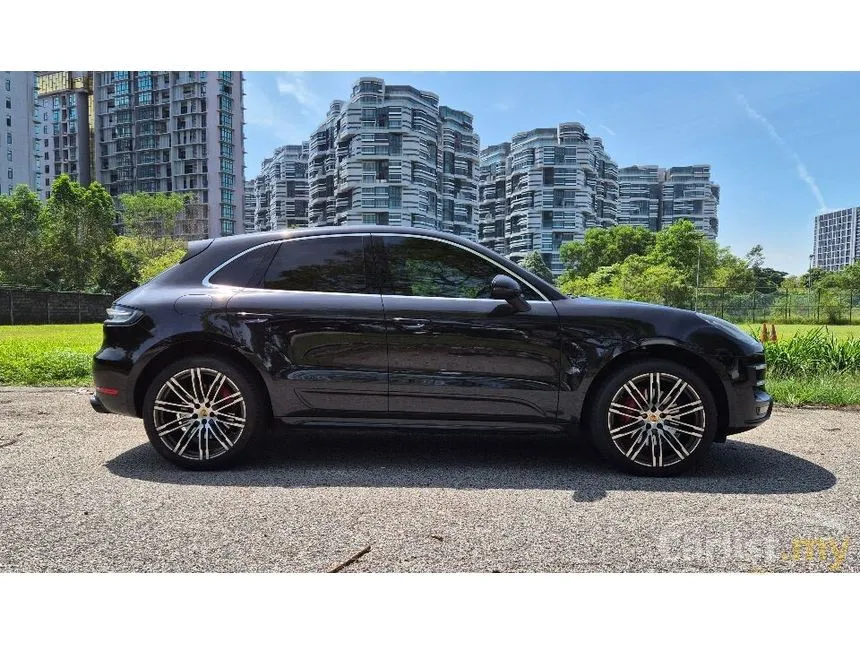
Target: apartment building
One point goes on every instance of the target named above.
(281, 190)
(640, 190)
(836, 239)
(179, 132)
(688, 193)
(249, 203)
(66, 106)
(392, 155)
(492, 197)
(20, 126)
(559, 182)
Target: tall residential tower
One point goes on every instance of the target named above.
(179, 132)
(559, 182)
(20, 127)
(281, 190)
(836, 239)
(393, 155)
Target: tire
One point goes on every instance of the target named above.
(191, 436)
(634, 437)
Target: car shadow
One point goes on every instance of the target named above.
(471, 460)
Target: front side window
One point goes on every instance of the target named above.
(330, 264)
(432, 268)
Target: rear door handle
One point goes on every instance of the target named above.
(410, 324)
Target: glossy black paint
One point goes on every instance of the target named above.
(408, 359)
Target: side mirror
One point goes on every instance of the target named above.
(506, 288)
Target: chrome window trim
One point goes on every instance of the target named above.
(206, 280)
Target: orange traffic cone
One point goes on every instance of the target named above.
(763, 334)
(773, 333)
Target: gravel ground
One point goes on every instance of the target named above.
(80, 491)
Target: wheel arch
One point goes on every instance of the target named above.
(671, 351)
(195, 346)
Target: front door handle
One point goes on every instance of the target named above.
(410, 324)
(253, 317)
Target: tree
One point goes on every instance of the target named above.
(151, 215)
(21, 261)
(534, 262)
(78, 231)
(605, 247)
(733, 273)
(687, 250)
(163, 262)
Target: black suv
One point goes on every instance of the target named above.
(404, 327)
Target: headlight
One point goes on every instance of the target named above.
(119, 315)
(732, 330)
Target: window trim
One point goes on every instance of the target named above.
(372, 277)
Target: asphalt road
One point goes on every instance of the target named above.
(81, 491)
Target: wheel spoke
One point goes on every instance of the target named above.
(624, 410)
(695, 432)
(172, 407)
(227, 417)
(182, 444)
(614, 432)
(672, 440)
(672, 395)
(639, 441)
(181, 392)
(677, 411)
(207, 440)
(631, 390)
(220, 435)
(227, 401)
(217, 382)
(165, 428)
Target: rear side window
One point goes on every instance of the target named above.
(245, 271)
(330, 264)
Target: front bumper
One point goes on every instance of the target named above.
(750, 405)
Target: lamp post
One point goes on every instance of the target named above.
(698, 267)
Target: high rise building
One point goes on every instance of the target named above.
(689, 194)
(20, 126)
(66, 106)
(393, 155)
(281, 189)
(559, 182)
(249, 205)
(179, 132)
(492, 197)
(836, 239)
(657, 198)
(640, 190)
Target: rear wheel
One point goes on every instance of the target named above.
(203, 413)
(653, 418)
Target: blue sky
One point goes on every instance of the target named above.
(779, 144)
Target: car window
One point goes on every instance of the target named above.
(240, 271)
(332, 264)
(424, 267)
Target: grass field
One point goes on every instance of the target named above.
(804, 371)
(48, 354)
(789, 331)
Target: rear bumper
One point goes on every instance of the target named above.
(98, 406)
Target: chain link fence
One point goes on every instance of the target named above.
(826, 306)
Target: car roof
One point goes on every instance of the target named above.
(340, 230)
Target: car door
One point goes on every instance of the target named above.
(453, 352)
(316, 328)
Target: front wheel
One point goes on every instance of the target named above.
(202, 413)
(654, 418)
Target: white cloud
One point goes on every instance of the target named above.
(294, 85)
(608, 129)
(582, 114)
(802, 172)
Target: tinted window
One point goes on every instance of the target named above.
(423, 267)
(241, 271)
(328, 264)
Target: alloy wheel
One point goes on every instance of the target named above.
(199, 414)
(656, 419)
